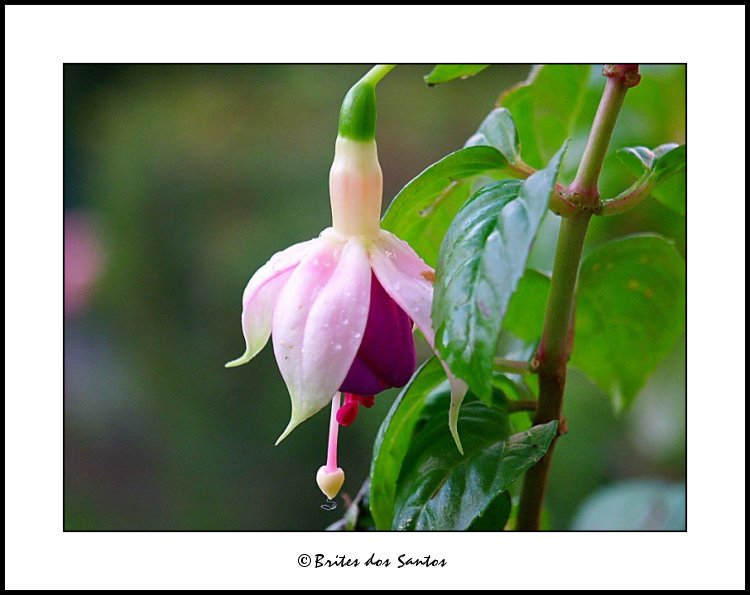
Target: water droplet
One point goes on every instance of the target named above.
(337, 347)
(345, 321)
(357, 335)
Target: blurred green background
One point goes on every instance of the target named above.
(180, 181)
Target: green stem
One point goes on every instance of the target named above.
(552, 354)
(523, 405)
(376, 73)
(585, 186)
(554, 349)
(508, 366)
(558, 204)
(627, 200)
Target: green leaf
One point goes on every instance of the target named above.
(482, 257)
(525, 315)
(498, 130)
(495, 516)
(394, 436)
(512, 386)
(670, 179)
(631, 310)
(635, 505)
(662, 171)
(673, 193)
(637, 159)
(442, 73)
(662, 150)
(545, 108)
(424, 231)
(439, 489)
(421, 213)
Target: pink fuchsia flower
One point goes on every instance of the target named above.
(83, 260)
(341, 307)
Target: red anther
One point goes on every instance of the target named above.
(365, 400)
(347, 413)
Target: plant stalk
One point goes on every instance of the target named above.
(508, 366)
(554, 349)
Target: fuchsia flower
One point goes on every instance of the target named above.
(340, 307)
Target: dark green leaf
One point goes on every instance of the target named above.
(424, 231)
(421, 213)
(525, 315)
(631, 309)
(545, 108)
(498, 130)
(394, 436)
(439, 489)
(495, 515)
(482, 257)
(636, 505)
(442, 73)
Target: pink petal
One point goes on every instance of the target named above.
(319, 322)
(408, 280)
(260, 295)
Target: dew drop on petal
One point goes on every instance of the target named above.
(337, 347)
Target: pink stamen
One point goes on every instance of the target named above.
(333, 435)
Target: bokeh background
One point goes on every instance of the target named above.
(180, 181)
